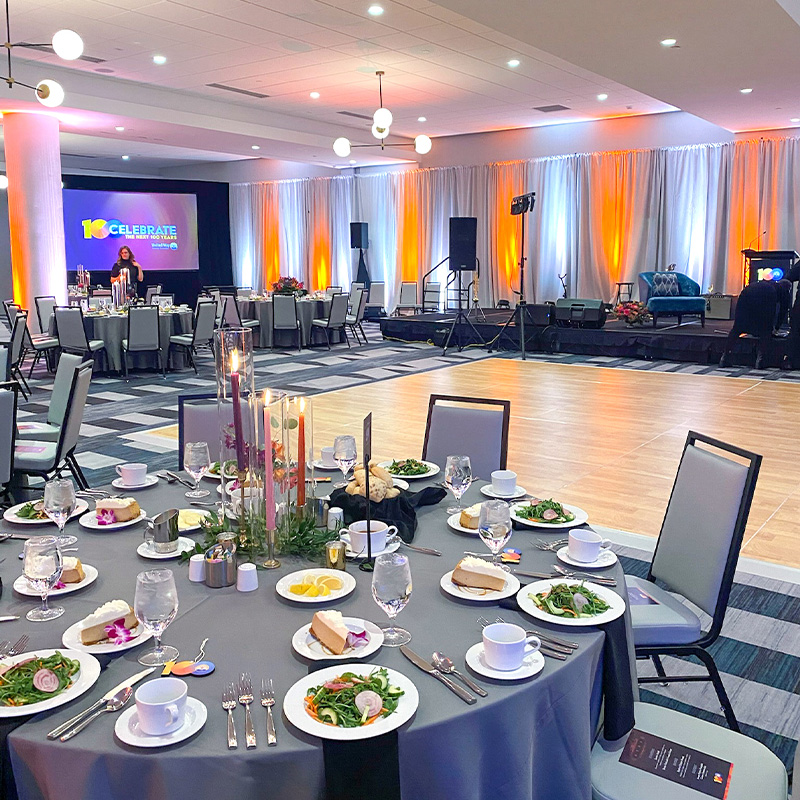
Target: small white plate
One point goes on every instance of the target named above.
(90, 521)
(488, 596)
(145, 549)
(433, 469)
(10, 514)
(399, 483)
(325, 467)
(150, 480)
(614, 600)
(282, 586)
(454, 522)
(71, 638)
(350, 553)
(310, 647)
(607, 558)
(532, 664)
(202, 512)
(21, 585)
(580, 518)
(127, 727)
(489, 491)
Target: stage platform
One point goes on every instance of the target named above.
(669, 341)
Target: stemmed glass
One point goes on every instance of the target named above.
(494, 527)
(458, 477)
(196, 461)
(155, 605)
(345, 453)
(391, 590)
(59, 505)
(42, 566)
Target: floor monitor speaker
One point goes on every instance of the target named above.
(580, 313)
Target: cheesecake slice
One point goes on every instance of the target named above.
(470, 517)
(476, 573)
(328, 628)
(93, 627)
(124, 508)
(72, 570)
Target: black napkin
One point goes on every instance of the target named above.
(366, 768)
(399, 511)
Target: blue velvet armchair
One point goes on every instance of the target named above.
(687, 302)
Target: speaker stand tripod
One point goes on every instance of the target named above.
(460, 318)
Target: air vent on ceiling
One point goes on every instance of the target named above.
(76, 155)
(46, 48)
(551, 109)
(236, 91)
(353, 114)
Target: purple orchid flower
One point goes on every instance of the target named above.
(106, 517)
(117, 633)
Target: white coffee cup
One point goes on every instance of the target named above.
(247, 578)
(327, 458)
(585, 545)
(504, 481)
(161, 706)
(250, 496)
(505, 646)
(379, 533)
(132, 474)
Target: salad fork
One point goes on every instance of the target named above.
(585, 576)
(229, 703)
(18, 646)
(5, 646)
(268, 700)
(245, 698)
(551, 547)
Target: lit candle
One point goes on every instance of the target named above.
(241, 461)
(301, 454)
(269, 478)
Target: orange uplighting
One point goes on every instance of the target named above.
(321, 257)
(408, 235)
(271, 244)
(508, 231)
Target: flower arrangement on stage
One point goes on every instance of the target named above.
(633, 312)
(287, 285)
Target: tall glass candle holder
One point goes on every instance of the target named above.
(300, 444)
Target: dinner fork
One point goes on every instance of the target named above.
(5, 646)
(245, 698)
(584, 576)
(229, 703)
(268, 700)
(551, 547)
(18, 646)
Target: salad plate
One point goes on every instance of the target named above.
(305, 576)
(83, 680)
(11, 514)
(532, 664)
(579, 516)
(146, 550)
(294, 703)
(432, 469)
(308, 646)
(127, 728)
(616, 604)
(21, 585)
(479, 595)
(71, 638)
(90, 521)
(150, 480)
(607, 558)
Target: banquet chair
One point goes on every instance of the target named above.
(354, 287)
(45, 307)
(151, 291)
(232, 316)
(45, 459)
(284, 317)
(330, 290)
(9, 397)
(408, 298)
(16, 354)
(337, 319)
(467, 429)
(376, 300)
(144, 336)
(205, 319)
(431, 293)
(197, 415)
(57, 407)
(71, 333)
(7, 304)
(695, 557)
(5, 361)
(41, 344)
(353, 321)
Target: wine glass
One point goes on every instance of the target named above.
(196, 461)
(458, 477)
(42, 566)
(391, 590)
(155, 605)
(59, 505)
(345, 453)
(494, 527)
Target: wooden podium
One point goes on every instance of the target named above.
(771, 265)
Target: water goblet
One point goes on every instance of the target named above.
(196, 461)
(155, 605)
(494, 528)
(42, 566)
(345, 454)
(59, 504)
(458, 478)
(391, 590)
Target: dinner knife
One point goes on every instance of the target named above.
(179, 479)
(8, 618)
(427, 550)
(61, 729)
(593, 578)
(426, 666)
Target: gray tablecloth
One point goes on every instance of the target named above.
(528, 739)
(307, 310)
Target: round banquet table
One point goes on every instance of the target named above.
(527, 739)
(307, 309)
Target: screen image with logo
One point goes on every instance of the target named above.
(160, 229)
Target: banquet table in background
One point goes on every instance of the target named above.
(527, 739)
(307, 310)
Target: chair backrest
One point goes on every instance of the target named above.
(703, 527)
(408, 293)
(333, 290)
(199, 421)
(338, 310)
(11, 311)
(18, 332)
(361, 307)
(5, 361)
(9, 392)
(67, 364)
(231, 315)
(71, 429)
(143, 328)
(284, 312)
(205, 319)
(152, 290)
(354, 287)
(71, 333)
(45, 306)
(377, 294)
(466, 429)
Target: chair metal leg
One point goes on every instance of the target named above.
(300, 339)
(191, 354)
(659, 668)
(75, 469)
(328, 337)
(719, 687)
(363, 334)
(37, 355)
(344, 333)
(17, 375)
(125, 364)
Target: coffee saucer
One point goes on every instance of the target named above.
(532, 664)
(607, 558)
(150, 480)
(489, 491)
(319, 464)
(128, 731)
(146, 550)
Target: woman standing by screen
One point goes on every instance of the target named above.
(126, 260)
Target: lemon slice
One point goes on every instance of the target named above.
(297, 588)
(331, 582)
(311, 591)
(310, 580)
(324, 591)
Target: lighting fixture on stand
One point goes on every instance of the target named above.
(65, 44)
(381, 122)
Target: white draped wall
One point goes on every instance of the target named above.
(599, 218)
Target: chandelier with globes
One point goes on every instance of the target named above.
(65, 44)
(381, 122)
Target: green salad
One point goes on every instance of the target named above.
(351, 700)
(548, 512)
(230, 469)
(32, 511)
(576, 601)
(36, 679)
(408, 466)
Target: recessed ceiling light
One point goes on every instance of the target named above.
(119, 128)
(669, 42)
(375, 10)
(314, 95)
(602, 97)
(352, 161)
(255, 147)
(745, 91)
(514, 62)
(422, 119)
(126, 158)
(795, 119)
(159, 60)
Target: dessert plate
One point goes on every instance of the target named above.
(479, 595)
(489, 491)
(454, 522)
(202, 513)
(10, 514)
(21, 585)
(282, 586)
(90, 521)
(308, 646)
(146, 550)
(150, 480)
(614, 600)
(532, 664)
(607, 558)
(71, 638)
(127, 728)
